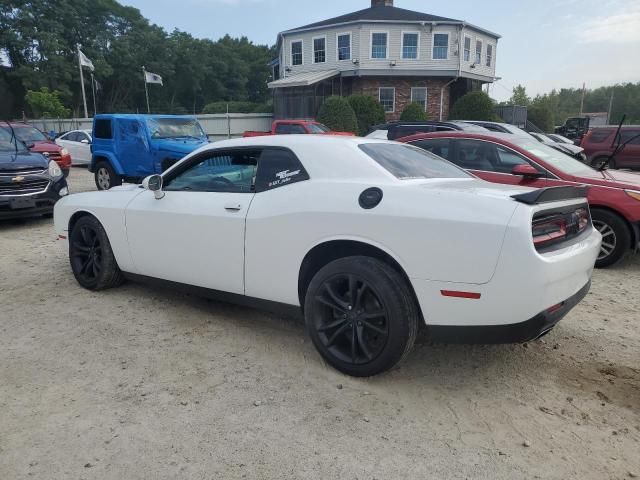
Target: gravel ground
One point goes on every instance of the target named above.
(138, 383)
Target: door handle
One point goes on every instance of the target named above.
(233, 207)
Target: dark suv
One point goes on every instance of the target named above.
(394, 130)
(30, 184)
(600, 142)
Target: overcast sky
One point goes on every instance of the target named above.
(545, 44)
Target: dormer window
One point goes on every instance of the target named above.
(440, 46)
(320, 50)
(296, 52)
(379, 45)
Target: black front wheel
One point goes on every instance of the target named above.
(616, 237)
(106, 177)
(92, 260)
(361, 315)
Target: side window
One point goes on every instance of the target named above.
(216, 171)
(279, 167)
(289, 129)
(633, 135)
(102, 128)
(475, 155)
(599, 136)
(437, 146)
(71, 137)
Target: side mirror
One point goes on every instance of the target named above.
(153, 183)
(85, 141)
(526, 171)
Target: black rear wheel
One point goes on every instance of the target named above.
(616, 237)
(92, 260)
(361, 315)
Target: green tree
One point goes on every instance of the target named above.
(368, 112)
(45, 104)
(337, 114)
(414, 112)
(541, 116)
(519, 96)
(473, 106)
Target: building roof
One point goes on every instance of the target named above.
(304, 79)
(393, 14)
(385, 14)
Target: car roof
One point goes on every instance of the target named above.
(138, 115)
(488, 135)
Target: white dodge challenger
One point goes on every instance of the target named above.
(366, 238)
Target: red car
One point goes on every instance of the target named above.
(38, 142)
(599, 143)
(614, 196)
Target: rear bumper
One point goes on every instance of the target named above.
(43, 202)
(521, 332)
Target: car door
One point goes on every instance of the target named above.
(629, 157)
(83, 148)
(494, 162)
(133, 148)
(195, 234)
(68, 141)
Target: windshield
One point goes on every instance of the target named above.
(553, 157)
(175, 128)
(407, 162)
(318, 128)
(8, 143)
(27, 134)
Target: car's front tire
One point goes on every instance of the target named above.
(91, 257)
(361, 315)
(616, 237)
(106, 177)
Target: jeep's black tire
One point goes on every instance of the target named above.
(361, 315)
(106, 177)
(616, 237)
(91, 257)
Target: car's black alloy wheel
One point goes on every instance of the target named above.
(616, 237)
(92, 260)
(361, 315)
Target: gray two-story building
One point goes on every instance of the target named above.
(397, 56)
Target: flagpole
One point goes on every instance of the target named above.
(84, 96)
(146, 89)
(93, 88)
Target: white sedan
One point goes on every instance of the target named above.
(367, 238)
(78, 143)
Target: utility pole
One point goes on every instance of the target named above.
(84, 96)
(93, 89)
(582, 100)
(610, 106)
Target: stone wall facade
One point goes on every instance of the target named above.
(371, 85)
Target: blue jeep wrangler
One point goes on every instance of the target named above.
(131, 147)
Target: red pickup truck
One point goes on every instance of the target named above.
(295, 127)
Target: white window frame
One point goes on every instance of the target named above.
(433, 45)
(489, 58)
(342, 34)
(300, 41)
(426, 96)
(408, 32)
(464, 50)
(476, 60)
(394, 97)
(371, 57)
(313, 48)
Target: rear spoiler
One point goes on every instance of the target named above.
(551, 194)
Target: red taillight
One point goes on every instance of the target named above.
(549, 230)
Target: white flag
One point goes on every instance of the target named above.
(84, 61)
(152, 78)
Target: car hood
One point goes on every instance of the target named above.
(46, 146)
(610, 178)
(180, 146)
(22, 160)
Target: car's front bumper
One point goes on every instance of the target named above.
(521, 332)
(42, 202)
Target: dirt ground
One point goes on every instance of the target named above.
(135, 383)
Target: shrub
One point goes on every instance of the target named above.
(337, 114)
(473, 106)
(541, 117)
(44, 103)
(368, 112)
(414, 112)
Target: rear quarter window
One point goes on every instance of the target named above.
(102, 128)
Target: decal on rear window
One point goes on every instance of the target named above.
(278, 167)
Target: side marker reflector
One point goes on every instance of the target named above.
(61, 237)
(456, 294)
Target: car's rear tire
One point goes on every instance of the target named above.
(106, 177)
(361, 315)
(91, 257)
(616, 237)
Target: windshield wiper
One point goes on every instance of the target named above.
(618, 148)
